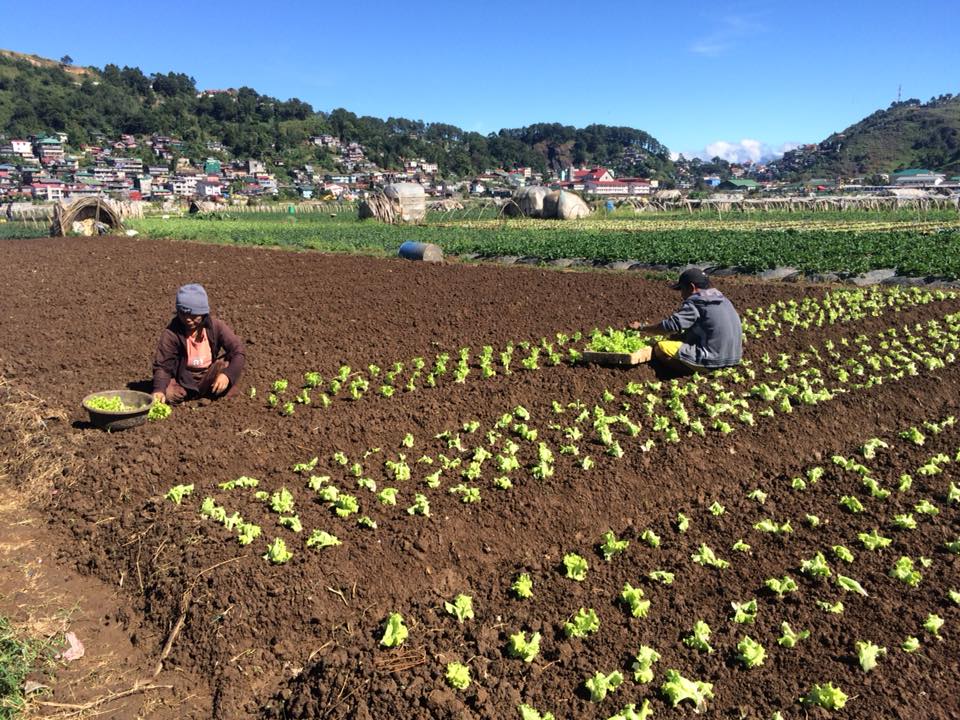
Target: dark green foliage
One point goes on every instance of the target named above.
(102, 104)
(908, 134)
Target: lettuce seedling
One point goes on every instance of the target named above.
(345, 505)
(322, 539)
(851, 585)
(661, 576)
(904, 571)
(789, 638)
(851, 503)
(650, 538)
(328, 493)
(932, 625)
(633, 599)
(529, 713)
(458, 676)
(576, 566)
(751, 653)
(716, 509)
(904, 521)
(904, 483)
(520, 647)
(741, 546)
(758, 496)
(279, 386)
(241, 482)
(277, 552)
(159, 411)
(461, 608)
(868, 653)
(816, 566)
(910, 644)
(388, 496)
(677, 688)
(835, 608)
(842, 553)
(873, 540)
(706, 557)
(912, 435)
(522, 587)
(643, 664)
(630, 712)
(826, 696)
(421, 506)
(683, 523)
(953, 546)
(247, 533)
(953, 493)
(954, 596)
(781, 586)
(925, 507)
(744, 613)
(870, 448)
(599, 685)
(178, 492)
(769, 526)
(281, 502)
(582, 624)
(611, 546)
(700, 637)
(291, 522)
(395, 632)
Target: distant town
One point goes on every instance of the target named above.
(48, 168)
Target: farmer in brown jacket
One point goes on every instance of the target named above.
(197, 355)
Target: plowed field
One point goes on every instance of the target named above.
(500, 460)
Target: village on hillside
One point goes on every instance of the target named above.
(47, 168)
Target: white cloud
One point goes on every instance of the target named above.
(740, 152)
(728, 33)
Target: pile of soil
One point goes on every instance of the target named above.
(302, 639)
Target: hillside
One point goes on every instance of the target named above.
(89, 104)
(908, 134)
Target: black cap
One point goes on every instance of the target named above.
(692, 276)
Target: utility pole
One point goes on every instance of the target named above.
(898, 92)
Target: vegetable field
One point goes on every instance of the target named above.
(423, 505)
(925, 244)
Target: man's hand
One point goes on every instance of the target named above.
(642, 327)
(220, 384)
(159, 397)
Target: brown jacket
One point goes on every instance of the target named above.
(170, 359)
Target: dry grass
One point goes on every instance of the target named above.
(34, 455)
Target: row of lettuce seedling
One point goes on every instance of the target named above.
(837, 306)
(749, 653)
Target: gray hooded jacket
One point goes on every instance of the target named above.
(709, 329)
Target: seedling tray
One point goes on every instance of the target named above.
(613, 359)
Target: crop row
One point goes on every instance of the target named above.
(826, 568)
(518, 446)
(837, 306)
(928, 251)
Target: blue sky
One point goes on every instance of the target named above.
(740, 79)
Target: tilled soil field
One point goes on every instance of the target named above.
(674, 468)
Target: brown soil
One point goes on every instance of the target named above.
(301, 639)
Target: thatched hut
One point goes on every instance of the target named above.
(86, 216)
(199, 207)
(399, 202)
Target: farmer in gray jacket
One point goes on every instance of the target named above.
(706, 328)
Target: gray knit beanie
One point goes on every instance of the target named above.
(192, 299)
